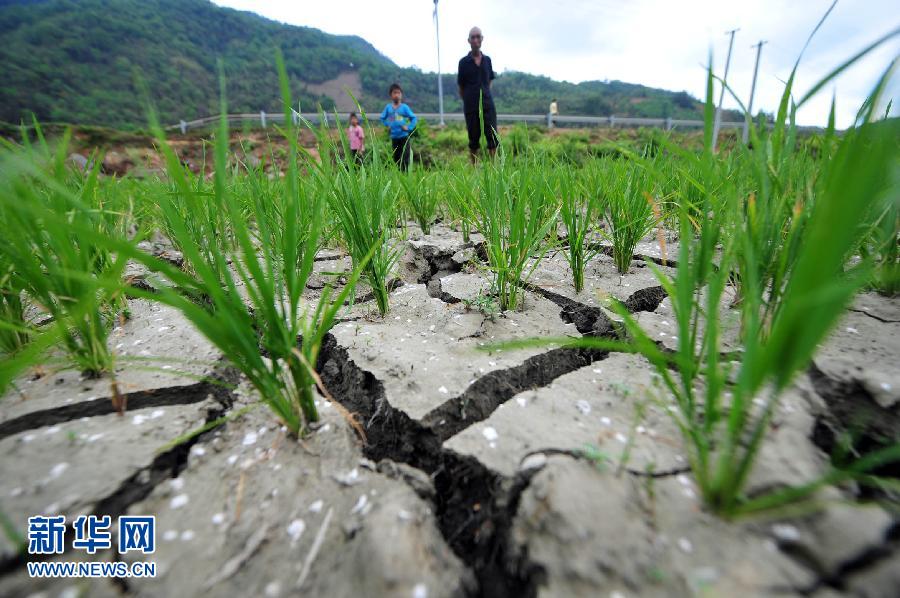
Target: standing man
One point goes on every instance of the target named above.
(474, 80)
(554, 112)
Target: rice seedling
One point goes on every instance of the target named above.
(579, 206)
(14, 331)
(420, 196)
(52, 216)
(256, 312)
(628, 212)
(515, 210)
(364, 203)
(723, 408)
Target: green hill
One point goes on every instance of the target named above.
(75, 61)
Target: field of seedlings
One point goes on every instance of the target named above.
(662, 372)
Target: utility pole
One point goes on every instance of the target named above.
(718, 121)
(746, 134)
(437, 35)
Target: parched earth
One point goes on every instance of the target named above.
(530, 472)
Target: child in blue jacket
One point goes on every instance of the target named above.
(401, 121)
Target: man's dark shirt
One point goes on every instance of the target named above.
(473, 78)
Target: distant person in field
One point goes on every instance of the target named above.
(357, 138)
(554, 111)
(401, 121)
(474, 80)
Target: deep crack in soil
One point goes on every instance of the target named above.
(166, 465)
(475, 506)
(142, 399)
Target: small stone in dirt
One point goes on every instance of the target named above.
(295, 530)
(187, 535)
(583, 406)
(522, 401)
(685, 545)
(785, 532)
(420, 591)
(179, 501)
(490, 434)
(443, 390)
(350, 478)
(606, 421)
(170, 535)
(362, 505)
(621, 437)
(218, 518)
(249, 438)
(535, 461)
(176, 484)
(273, 589)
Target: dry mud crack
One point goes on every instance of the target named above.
(476, 479)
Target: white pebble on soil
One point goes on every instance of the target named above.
(273, 589)
(316, 506)
(685, 545)
(621, 438)
(490, 434)
(157, 413)
(785, 532)
(218, 518)
(198, 450)
(138, 419)
(606, 421)
(232, 459)
(249, 438)
(852, 330)
(179, 501)
(420, 591)
(535, 461)
(170, 535)
(522, 401)
(583, 406)
(187, 535)
(176, 484)
(58, 469)
(443, 390)
(296, 529)
(360, 506)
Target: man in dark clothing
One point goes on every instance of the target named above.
(474, 80)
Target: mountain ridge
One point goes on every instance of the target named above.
(86, 62)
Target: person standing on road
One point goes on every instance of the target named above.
(554, 111)
(474, 80)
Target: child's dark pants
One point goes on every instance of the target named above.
(401, 152)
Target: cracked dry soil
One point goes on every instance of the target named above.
(474, 480)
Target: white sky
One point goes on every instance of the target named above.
(659, 43)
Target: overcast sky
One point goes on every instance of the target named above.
(660, 43)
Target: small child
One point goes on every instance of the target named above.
(357, 138)
(401, 121)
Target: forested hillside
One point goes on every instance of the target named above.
(79, 61)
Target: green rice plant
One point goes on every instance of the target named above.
(514, 208)
(16, 332)
(460, 183)
(52, 215)
(420, 196)
(629, 211)
(883, 245)
(202, 218)
(579, 206)
(256, 310)
(364, 202)
(724, 408)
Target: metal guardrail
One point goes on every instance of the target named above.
(264, 119)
